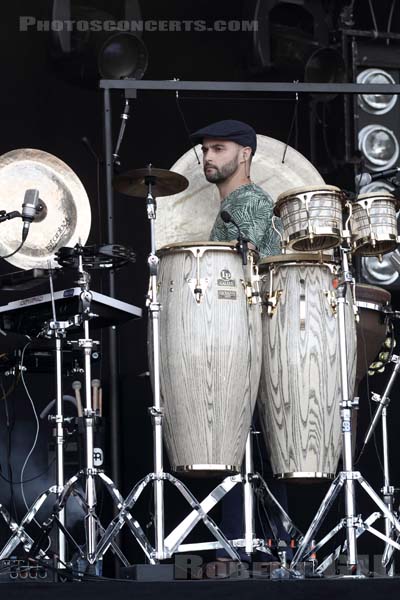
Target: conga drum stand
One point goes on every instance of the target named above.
(353, 524)
(163, 547)
(250, 543)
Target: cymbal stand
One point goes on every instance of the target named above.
(353, 524)
(58, 330)
(163, 548)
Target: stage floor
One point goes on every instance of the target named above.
(345, 589)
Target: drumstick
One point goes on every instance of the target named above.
(96, 383)
(76, 386)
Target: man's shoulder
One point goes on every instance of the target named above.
(252, 194)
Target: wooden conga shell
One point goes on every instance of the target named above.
(300, 385)
(210, 357)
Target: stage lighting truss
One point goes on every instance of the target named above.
(379, 146)
(376, 104)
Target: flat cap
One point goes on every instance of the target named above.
(234, 131)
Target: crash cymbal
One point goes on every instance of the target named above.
(191, 215)
(65, 219)
(164, 182)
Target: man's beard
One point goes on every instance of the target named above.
(222, 174)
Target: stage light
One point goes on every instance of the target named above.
(325, 65)
(379, 146)
(122, 55)
(377, 104)
(101, 48)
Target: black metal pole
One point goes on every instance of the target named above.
(112, 338)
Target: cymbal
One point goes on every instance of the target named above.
(65, 219)
(164, 182)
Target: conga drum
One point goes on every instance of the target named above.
(210, 355)
(300, 385)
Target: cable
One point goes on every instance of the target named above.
(38, 476)
(11, 480)
(371, 8)
(15, 251)
(185, 125)
(10, 426)
(36, 433)
(292, 124)
(389, 25)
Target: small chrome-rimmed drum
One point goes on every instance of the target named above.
(300, 385)
(210, 353)
(311, 217)
(372, 326)
(373, 224)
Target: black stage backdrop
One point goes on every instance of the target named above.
(39, 108)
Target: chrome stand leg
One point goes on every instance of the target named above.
(248, 497)
(353, 524)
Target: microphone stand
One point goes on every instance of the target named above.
(5, 216)
(243, 243)
(243, 247)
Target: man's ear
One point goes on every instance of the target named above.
(246, 153)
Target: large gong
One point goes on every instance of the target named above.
(190, 214)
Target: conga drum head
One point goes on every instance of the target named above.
(304, 257)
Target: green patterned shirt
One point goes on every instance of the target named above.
(251, 208)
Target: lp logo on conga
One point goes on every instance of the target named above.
(226, 274)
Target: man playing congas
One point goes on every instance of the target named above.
(228, 147)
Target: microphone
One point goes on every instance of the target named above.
(366, 178)
(31, 207)
(227, 218)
